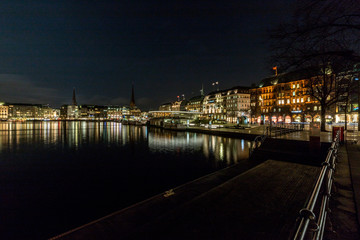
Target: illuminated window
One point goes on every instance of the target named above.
(288, 101)
(293, 86)
(293, 93)
(297, 100)
(302, 100)
(297, 86)
(315, 108)
(308, 99)
(294, 100)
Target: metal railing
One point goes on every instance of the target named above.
(280, 129)
(321, 190)
(256, 143)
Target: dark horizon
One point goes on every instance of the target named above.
(166, 48)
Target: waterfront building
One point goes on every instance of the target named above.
(165, 107)
(214, 106)
(286, 98)
(25, 111)
(134, 111)
(69, 112)
(114, 112)
(4, 111)
(195, 104)
(48, 113)
(348, 105)
(237, 105)
(173, 119)
(92, 112)
(179, 105)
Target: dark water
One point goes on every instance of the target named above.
(55, 176)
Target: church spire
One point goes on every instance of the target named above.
(132, 101)
(74, 98)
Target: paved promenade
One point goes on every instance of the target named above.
(243, 207)
(260, 200)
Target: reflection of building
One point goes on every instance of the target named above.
(4, 111)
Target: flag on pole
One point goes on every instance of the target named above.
(275, 68)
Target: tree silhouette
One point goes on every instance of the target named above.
(322, 39)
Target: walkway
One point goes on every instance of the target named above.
(243, 207)
(260, 202)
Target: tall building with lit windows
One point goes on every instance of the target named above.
(4, 111)
(286, 98)
(237, 104)
(229, 105)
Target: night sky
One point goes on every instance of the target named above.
(167, 48)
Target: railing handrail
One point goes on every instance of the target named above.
(255, 144)
(307, 213)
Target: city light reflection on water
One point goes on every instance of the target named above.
(69, 173)
(74, 134)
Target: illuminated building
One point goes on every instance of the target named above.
(348, 104)
(70, 112)
(165, 107)
(4, 111)
(237, 105)
(25, 111)
(195, 104)
(49, 113)
(92, 112)
(114, 112)
(135, 112)
(286, 98)
(230, 105)
(214, 106)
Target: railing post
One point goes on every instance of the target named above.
(323, 182)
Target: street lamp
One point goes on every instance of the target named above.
(216, 83)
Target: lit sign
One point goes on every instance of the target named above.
(355, 107)
(211, 101)
(298, 111)
(356, 79)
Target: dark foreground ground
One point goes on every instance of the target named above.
(260, 201)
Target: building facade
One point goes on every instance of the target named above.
(286, 98)
(237, 105)
(4, 111)
(24, 111)
(195, 104)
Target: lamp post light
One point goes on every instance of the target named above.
(216, 83)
